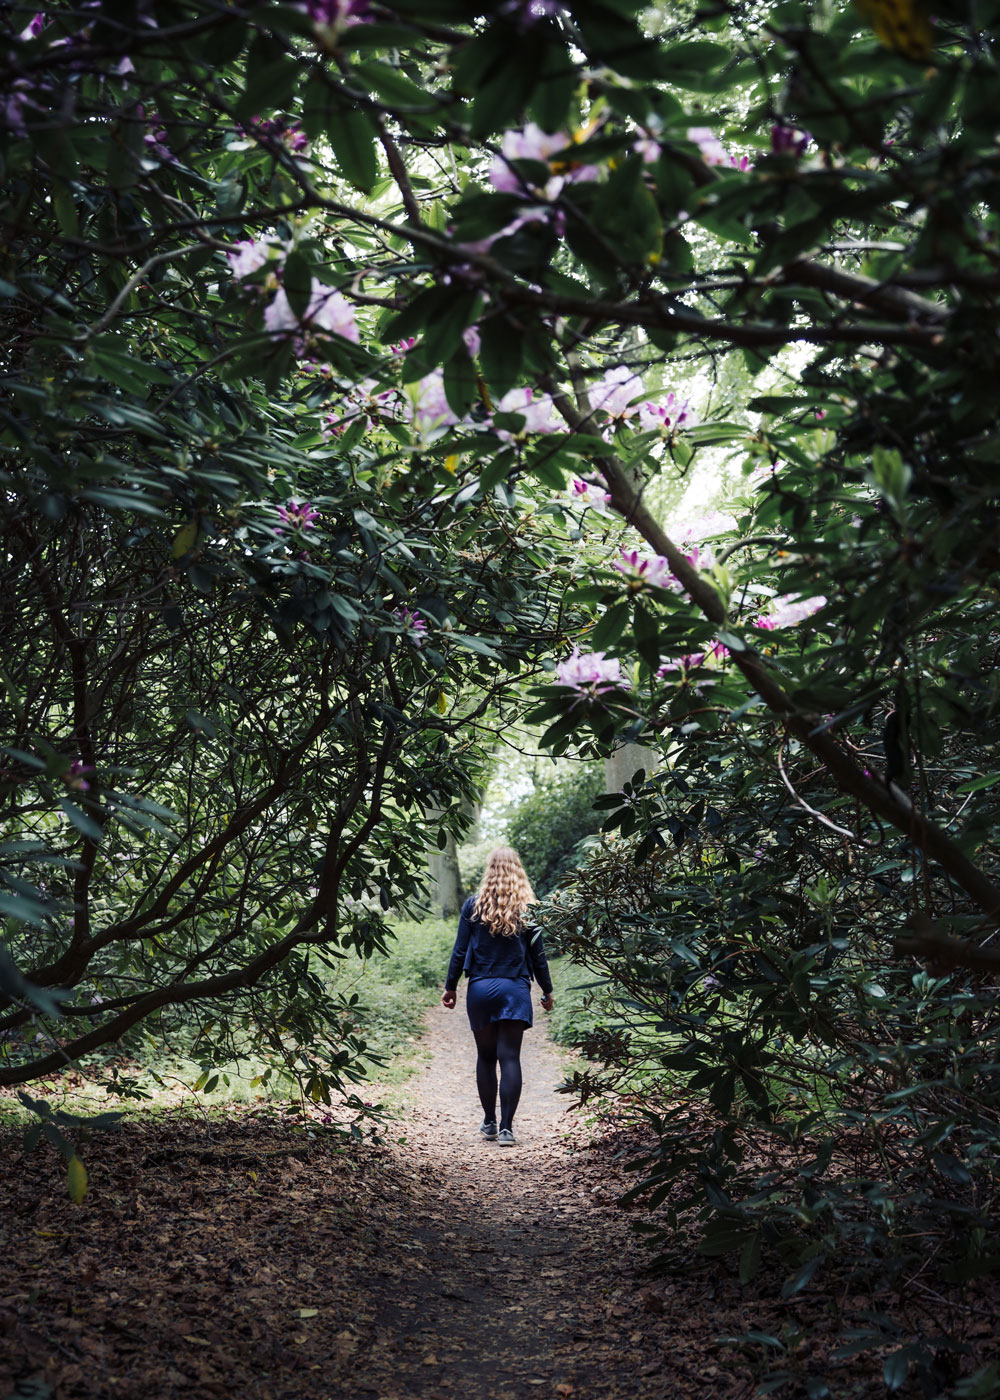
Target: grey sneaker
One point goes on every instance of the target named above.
(505, 1138)
(489, 1129)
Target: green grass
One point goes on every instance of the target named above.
(581, 1003)
(394, 992)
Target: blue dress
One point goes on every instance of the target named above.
(500, 970)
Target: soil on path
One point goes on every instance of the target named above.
(524, 1274)
(236, 1256)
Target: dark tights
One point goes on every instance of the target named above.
(499, 1041)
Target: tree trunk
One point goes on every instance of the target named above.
(445, 882)
(626, 760)
(445, 887)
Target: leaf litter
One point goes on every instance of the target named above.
(249, 1255)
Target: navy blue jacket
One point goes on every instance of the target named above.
(480, 954)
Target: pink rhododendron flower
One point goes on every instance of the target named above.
(426, 405)
(763, 473)
(530, 144)
(535, 144)
(298, 516)
(279, 316)
(525, 13)
(334, 16)
(328, 310)
(248, 255)
(615, 391)
(682, 663)
(18, 102)
(672, 414)
(590, 673)
(646, 147)
(74, 776)
(155, 141)
(33, 28)
(788, 141)
(587, 496)
(535, 214)
(413, 623)
(364, 399)
(651, 570)
(789, 610)
(537, 410)
(715, 522)
(713, 152)
(280, 129)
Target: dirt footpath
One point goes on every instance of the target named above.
(237, 1256)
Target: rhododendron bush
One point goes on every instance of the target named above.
(349, 354)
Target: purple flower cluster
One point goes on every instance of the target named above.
(789, 610)
(618, 394)
(534, 144)
(788, 140)
(297, 516)
(590, 673)
(328, 310)
(413, 624)
(645, 570)
(280, 129)
(335, 16)
(588, 496)
(74, 776)
(712, 150)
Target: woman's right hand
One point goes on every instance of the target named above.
(548, 1002)
(448, 999)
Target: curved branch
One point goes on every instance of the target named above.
(845, 772)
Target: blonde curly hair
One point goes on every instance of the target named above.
(504, 894)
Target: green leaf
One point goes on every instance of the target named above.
(687, 65)
(802, 1276)
(297, 282)
(977, 784)
(647, 635)
(473, 644)
(726, 1239)
(610, 627)
(394, 87)
(272, 77)
(500, 354)
(15, 985)
(83, 823)
(896, 1368)
(750, 1258)
(185, 539)
(352, 137)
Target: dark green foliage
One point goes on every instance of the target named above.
(223, 742)
(546, 827)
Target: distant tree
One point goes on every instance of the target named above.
(546, 825)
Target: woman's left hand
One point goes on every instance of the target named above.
(448, 999)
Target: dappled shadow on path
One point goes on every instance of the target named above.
(237, 1257)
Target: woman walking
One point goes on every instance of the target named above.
(501, 953)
